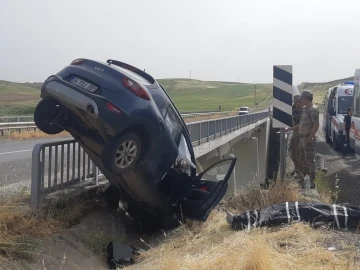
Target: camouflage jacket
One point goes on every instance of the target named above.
(309, 117)
(296, 115)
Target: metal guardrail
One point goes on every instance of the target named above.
(59, 164)
(210, 129)
(30, 118)
(12, 119)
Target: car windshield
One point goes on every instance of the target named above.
(243, 109)
(343, 104)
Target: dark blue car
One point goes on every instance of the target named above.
(130, 128)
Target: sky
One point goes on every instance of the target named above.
(225, 40)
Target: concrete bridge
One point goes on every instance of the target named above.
(58, 165)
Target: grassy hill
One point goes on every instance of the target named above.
(188, 95)
(319, 89)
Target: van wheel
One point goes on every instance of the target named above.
(122, 154)
(336, 145)
(44, 115)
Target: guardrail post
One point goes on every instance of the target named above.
(208, 130)
(95, 172)
(199, 133)
(282, 154)
(36, 176)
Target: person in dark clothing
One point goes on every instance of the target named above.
(347, 121)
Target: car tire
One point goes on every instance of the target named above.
(121, 154)
(112, 197)
(145, 222)
(44, 115)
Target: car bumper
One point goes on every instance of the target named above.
(89, 107)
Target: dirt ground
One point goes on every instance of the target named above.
(345, 168)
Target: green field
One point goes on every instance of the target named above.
(188, 95)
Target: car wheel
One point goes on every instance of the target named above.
(44, 114)
(122, 154)
(144, 221)
(112, 196)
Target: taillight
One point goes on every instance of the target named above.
(135, 88)
(112, 107)
(77, 61)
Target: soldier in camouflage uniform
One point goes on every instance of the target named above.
(309, 124)
(295, 138)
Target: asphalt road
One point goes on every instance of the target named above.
(347, 169)
(15, 160)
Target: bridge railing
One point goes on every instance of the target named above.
(30, 118)
(58, 165)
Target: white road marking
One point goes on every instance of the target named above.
(20, 151)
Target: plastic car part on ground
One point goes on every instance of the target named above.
(120, 255)
(340, 216)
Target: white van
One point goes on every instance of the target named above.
(243, 110)
(337, 100)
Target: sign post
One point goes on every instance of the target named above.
(282, 107)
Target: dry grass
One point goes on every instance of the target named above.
(21, 228)
(32, 134)
(214, 245)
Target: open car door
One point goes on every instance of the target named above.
(208, 189)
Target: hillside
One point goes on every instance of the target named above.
(188, 95)
(319, 89)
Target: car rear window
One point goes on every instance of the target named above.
(243, 109)
(132, 75)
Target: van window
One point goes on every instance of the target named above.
(343, 104)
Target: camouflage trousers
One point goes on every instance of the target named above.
(295, 152)
(307, 156)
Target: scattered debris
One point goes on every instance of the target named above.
(119, 255)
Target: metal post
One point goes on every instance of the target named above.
(282, 154)
(36, 176)
(234, 178)
(95, 172)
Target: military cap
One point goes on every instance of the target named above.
(306, 93)
(296, 98)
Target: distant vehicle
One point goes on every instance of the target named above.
(337, 100)
(130, 128)
(243, 110)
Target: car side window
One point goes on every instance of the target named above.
(174, 124)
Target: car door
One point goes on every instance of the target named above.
(208, 188)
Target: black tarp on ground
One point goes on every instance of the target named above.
(340, 216)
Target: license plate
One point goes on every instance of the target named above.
(84, 85)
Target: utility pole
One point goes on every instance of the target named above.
(255, 98)
(190, 73)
